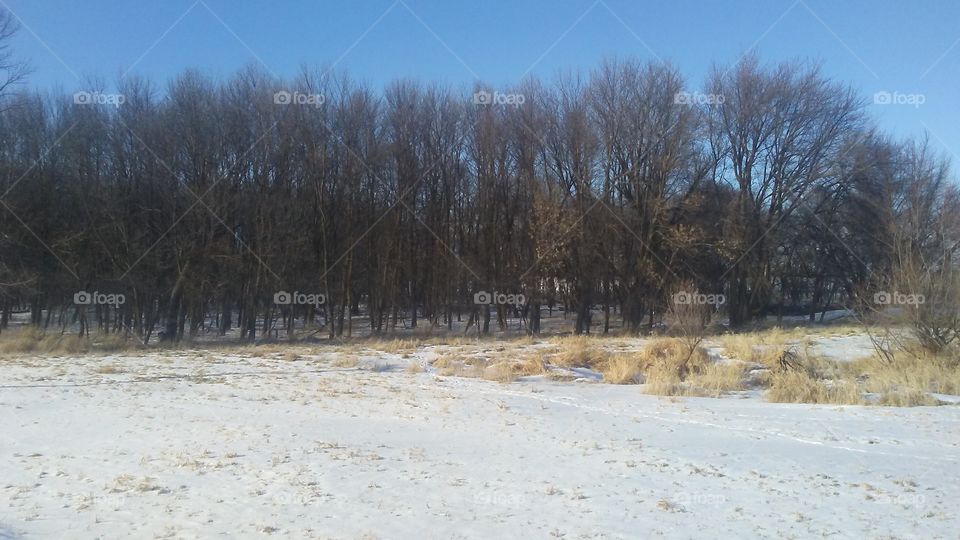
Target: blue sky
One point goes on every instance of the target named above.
(880, 45)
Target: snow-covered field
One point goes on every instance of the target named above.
(199, 444)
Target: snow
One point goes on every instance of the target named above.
(193, 445)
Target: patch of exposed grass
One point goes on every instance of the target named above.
(414, 367)
(107, 369)
(715, 379)
(624, 368)
(579, 351)
(797, 386)
(908, 374)
(670, 363)
(501, 372)
(907, 398)
(34, 340)
(345, 361)
(531, 363)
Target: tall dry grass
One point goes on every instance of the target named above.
(35, 341)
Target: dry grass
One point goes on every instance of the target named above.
(579, 351)
(108, 369)
(345, 361)
(795, 386)
(531, 363)
(905, 381)
(670, 364)
(765, 347)
(444, 361)
(907, 398)
(715, 379)
(626, 368)
(414, 367)
(33, 340)
(502, 372)
(911, 373)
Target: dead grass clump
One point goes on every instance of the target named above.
(671, 363)
(345, 361)
(765, 347)
(444, 361)
(531, 364)
(501, 372)
(624, 369)
(796, 386)
(663, 380)
(717, 378)
(414, 367)
(907, 398)
(673, 354)
(108, 369)
(34, 340)
(580, 351)
(909, 373)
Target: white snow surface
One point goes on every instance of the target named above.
(201, 445)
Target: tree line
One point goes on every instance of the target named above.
(607, 192)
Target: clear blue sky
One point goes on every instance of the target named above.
(880, 45)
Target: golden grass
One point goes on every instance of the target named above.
(502, 372)
(907, 398)
(414, 367)
(626, 368)
(765, 347)
(33, 340)
(715, 379)
(444, 361)
(794, 386)
(579, 351)
(345, 361)
(909, 373)
(108, 369)
(531, 363)
(670, 366)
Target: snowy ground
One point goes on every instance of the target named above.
(191, 445)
